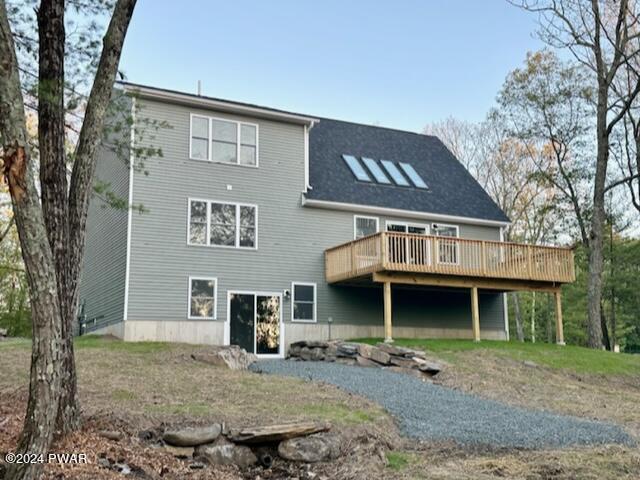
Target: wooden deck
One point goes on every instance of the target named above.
(450, 261)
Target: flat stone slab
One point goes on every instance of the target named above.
(276, 433)
(431, 412)
(192, 436)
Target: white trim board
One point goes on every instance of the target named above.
(436, 217)
(132, 157)
(153, 93)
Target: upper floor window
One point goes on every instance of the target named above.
(224, 141)
(222, 224)
(364, 226)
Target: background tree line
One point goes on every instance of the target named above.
(534, 154)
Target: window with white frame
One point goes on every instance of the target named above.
(447, 249)
(202, 298)
(364, 226)
(303, 302)
(224, 141)
(222, 224)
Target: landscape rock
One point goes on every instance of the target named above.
(365, 362)
(347, 350)
(192, 436)
(275, 433)
(403, 362)
(180, 452)
(529, 363)
(317, 354)
(3, 332)
(311, 449)
(429, 367)
(232, 357)
(111, 435)
(365, 355)
(305, 354)
(224, 452)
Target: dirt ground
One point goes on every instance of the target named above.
(132, 388)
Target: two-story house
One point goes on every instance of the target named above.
(263, 227)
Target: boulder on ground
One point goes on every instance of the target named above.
(373, 353)
(192, 436)
(404, 362)
(311, 449)
(275, 433)
(365, 362)
(408, 371)
(3, 332)
(111, 435)
(223, 452)
(426, 366)
(347, 349)
(179, 452)
(231, 356)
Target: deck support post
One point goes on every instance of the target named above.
(475, 314)
(388, 329)
(559, 327)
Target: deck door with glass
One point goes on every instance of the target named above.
(412, 249)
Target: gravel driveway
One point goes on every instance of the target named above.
(431, 412)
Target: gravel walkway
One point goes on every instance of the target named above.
(431, 412)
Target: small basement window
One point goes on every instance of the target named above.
(303, 303)
(202, 298)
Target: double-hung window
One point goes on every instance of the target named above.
(223, 141)
(364, 226)
(222, 224)
(202, 298)
(303, 303)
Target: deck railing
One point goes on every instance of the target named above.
(414, 253)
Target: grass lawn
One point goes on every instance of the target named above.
(570, 358)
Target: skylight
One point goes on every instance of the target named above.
(356, 168)
(375, 169)
(413, 175)
(395, 173)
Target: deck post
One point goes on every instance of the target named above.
(475, 314)
(388, 329)
(559, 328)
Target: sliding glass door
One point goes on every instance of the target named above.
(255, 320)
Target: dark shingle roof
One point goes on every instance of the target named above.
(452, 190)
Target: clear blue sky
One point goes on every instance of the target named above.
(400, 63)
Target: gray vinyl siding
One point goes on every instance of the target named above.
(102, 282)
(291, 238)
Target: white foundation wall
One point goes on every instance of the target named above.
(213, 333)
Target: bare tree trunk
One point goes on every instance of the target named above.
(533, 318)
(516, 308)
(596, 260)
(605, 330)
(80, 193)
(44, 383)
(549, 320)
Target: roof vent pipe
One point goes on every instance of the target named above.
(199, 88)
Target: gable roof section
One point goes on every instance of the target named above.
(452, 190)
